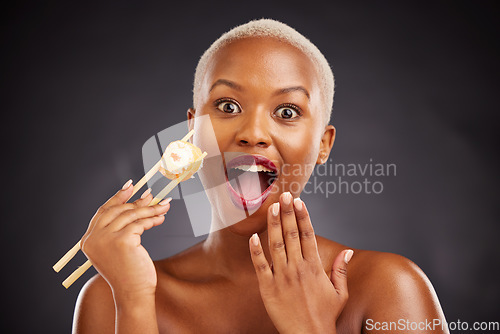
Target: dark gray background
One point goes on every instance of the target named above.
(85, 85)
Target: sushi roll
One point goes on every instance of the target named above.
(178, 158)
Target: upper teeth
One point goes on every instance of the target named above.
(253, 168)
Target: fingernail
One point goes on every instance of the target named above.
(146, 193)
(165, 201)
(348, 255)
(287, 198)
(297, 203)
(255, 239)
(276, 208)
(126, 185)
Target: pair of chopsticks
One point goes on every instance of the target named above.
(164, 192)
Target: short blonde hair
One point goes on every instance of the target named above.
(275, 29)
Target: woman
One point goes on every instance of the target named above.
(268, 93)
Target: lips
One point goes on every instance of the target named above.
(250, 179)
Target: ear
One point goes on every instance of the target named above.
(326, 144)
(190, 116)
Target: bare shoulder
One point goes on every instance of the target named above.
(385, 287)
(397, 290)
(386, 274)
(386, 265)
(373, 268)
(95, 308)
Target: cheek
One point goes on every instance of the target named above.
(222, 127)
(302, 145)
(207, 136)
(222, 132)
(299, 158)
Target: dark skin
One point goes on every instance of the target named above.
(226, 284)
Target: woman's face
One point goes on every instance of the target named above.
(262, 97)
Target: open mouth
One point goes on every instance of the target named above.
(250, 180)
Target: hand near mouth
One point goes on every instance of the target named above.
(298, 295)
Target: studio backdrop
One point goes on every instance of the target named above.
(413, 171)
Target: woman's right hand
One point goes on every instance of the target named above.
(112, 242)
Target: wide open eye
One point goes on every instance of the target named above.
(228, 107)
(287, 112)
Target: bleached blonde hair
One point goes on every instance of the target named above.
(280, 31)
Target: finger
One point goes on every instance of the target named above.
(130, 216)
(110, 214)
(307, 236)
(264, 274)
(275, 236)
(107, 216)
(339, 271)
(139, 226)
(145, 199)
(290, 229)
(121, 197)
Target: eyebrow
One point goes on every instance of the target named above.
(228, 83)
(236, 86)
(293, 89)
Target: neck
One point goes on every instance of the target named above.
(229, 252)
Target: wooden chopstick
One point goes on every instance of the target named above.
(74, 250)
(76, 274)
(67, 257)
(189, 134)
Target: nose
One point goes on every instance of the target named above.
(254, 130)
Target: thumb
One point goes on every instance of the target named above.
(339, 271)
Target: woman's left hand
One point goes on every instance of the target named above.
(298, 295)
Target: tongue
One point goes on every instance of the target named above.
(247, 185)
